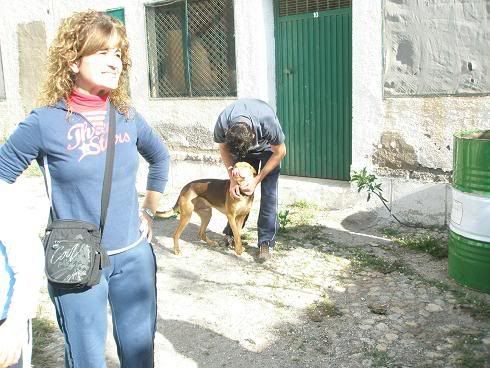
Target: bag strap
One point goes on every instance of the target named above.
(109, 164)
(107, 183)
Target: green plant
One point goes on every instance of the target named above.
(469, 350)
(381, 359)
(302, 204)
(390, 232)
(437, 248)
(284, 219)
(321, 309)
(361, 259)
(369, 182)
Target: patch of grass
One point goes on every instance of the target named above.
(477, 308)
(361, 259)
(381, 359)
(246, 235)
(469, 349)
(299, 234)
(298, 213)
(390, 232)
(280, 304)
(302, 204)
(429, 244)
(43, 331)
(284, 219)
(321, 309)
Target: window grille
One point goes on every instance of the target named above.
(191, 48)
(293, 7)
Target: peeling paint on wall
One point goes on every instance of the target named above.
(395, 158)
(394, 153)
(436, 47)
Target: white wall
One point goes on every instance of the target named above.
(11, 111)
(421, 128)
(425, 124)
(254, 55)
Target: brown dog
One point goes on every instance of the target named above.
(202, 195)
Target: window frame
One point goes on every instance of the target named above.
(181, 8)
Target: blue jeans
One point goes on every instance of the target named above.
(129, 285)
(267, 223)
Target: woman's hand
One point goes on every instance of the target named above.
(146, 225)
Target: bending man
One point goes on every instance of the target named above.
(248, 130)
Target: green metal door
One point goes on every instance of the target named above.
(313, 76)
(117, 13)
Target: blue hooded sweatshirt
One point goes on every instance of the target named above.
(75, 151)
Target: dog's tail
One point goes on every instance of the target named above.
(168, 213)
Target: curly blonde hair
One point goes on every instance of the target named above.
(79, 35)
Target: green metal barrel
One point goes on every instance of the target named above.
(469, 262)
(471, 162)
(469, 236)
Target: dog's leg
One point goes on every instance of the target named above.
(205, 215)
(239, 222)
(236, 234)
(186, 209)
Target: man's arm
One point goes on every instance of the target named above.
(227, 159)
(278, 153)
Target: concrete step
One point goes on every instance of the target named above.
(412, 201)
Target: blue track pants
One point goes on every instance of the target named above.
(129, 285)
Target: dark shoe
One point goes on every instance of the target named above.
(264, 252)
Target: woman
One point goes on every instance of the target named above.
(88, 66)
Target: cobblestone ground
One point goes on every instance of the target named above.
(337, 293)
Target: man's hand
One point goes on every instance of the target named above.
(249, 186)
(13, 335)
(234, 189)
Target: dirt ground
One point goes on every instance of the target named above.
(339, 292)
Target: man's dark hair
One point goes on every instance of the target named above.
(239, 138)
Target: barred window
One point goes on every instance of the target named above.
(191, 48)
(2, 83)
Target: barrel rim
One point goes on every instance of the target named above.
(477, 134)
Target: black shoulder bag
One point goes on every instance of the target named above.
(74, 256)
